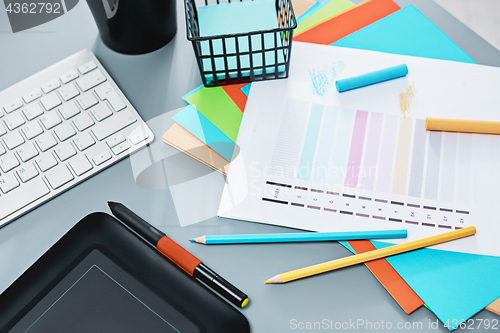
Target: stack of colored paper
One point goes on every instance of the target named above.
(208, 127)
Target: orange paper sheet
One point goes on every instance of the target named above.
(237, 96)
(345, 23)
(187, 143)
(301, 6)
(494, 307)
(389, 278)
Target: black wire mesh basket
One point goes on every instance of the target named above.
(242, 57)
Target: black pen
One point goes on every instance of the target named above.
(178, 255)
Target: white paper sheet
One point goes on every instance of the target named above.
(314, 159)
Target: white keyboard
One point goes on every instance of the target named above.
(60, 127)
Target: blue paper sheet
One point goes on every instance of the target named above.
(235, 18)
(454, 285)
(198, 125)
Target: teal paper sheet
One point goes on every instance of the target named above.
(454, 285)
(246, 89)
(406, 32)
(198, 125)
(234, 18)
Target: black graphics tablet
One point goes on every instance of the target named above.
(101, 277)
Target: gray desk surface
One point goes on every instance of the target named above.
(154, 83)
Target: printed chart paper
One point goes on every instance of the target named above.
(314, 159)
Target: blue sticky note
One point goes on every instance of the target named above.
(235, 18)
(454, 285)
(406, 32)
(198, 125)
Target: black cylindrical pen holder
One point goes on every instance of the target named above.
(135, 26)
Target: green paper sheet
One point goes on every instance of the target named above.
(330, 9)
(216, 105)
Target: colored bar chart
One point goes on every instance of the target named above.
(372, 151)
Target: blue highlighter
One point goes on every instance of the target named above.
(371, 78)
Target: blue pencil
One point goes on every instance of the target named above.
(299, 237)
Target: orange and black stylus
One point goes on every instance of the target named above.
(178, 255)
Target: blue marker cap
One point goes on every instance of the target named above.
(371, 78)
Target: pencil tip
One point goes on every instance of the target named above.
(192, 240)
(267, 281)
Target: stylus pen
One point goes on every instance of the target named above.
(178, 255)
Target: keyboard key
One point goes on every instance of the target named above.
(65, 151)
(14, 120)
(50, 119)
(87, 100)
(32, 95)
(27, 172)
(80, 164)
(59, 176)
(83, 141)
(69, 76)
(32, 111)
(27, 152)
(138, 136)
(106, 92)
(124, 146)
(12, 106)
(113, 125)
(90, 80)
(45, 141)
(8, 182)
(87, 67)
(45, 162)
(115, 140)
(31, 130)
(68, 92)
(83, 121)
(69, 110)
(8, 162)
(2, 150)
(31, 192)
(51, 85)
(13, 140)
(50, 101)
(2, 130)
(64, 131)
(101, 158)
(101, 112)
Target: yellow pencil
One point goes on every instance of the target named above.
(464, 126)
(372, 255)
